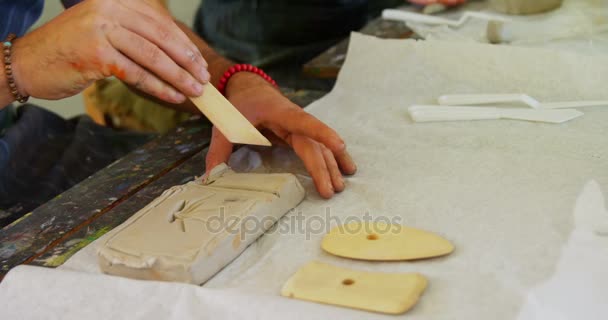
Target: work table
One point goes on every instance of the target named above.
(53, 232)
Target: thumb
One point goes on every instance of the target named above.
(219, 150)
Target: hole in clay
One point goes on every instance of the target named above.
(372, 237)
(231, 200)
(348, 282)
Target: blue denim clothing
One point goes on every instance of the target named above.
(17, 16)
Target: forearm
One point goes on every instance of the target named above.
(6, 97)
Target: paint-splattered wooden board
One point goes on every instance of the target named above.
(52, 233)
(79, 239)
(39, 231)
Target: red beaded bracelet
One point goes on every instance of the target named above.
(242, 68)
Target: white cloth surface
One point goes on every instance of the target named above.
(506, 193)
(578, 289)
(578, 25)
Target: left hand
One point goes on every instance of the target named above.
(321, 149)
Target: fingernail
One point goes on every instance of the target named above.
(348, 157)
(341, 145)
(202, 59)
(198, 88)
(205, 75)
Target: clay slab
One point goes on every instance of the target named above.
(193, 230)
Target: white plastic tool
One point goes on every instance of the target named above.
(430, 113)
(406, 16)
(480, 99)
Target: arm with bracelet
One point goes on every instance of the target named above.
(139, 43)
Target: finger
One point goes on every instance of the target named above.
(312, 156)
(332, 168)
(169, 38)
(274, 139)
(130, 72)
(149, 56)
(219, 150)
(346, 163)
(297, 121)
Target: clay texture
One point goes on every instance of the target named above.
(193, 230)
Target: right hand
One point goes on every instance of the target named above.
(321, 149)
(96, 39)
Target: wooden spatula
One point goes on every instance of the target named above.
(224, 116)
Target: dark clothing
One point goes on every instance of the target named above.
(42, 155)
(260, 32)
(17, 16)
(279, 35)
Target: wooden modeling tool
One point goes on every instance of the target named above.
(226, 118)
(392, 293)
(384, 242)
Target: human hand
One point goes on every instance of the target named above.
(128, 39)
(444, 2)
(321, 149)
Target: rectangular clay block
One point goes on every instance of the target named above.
(192, 231)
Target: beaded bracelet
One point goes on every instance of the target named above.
(242, 68)
(7, 46)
